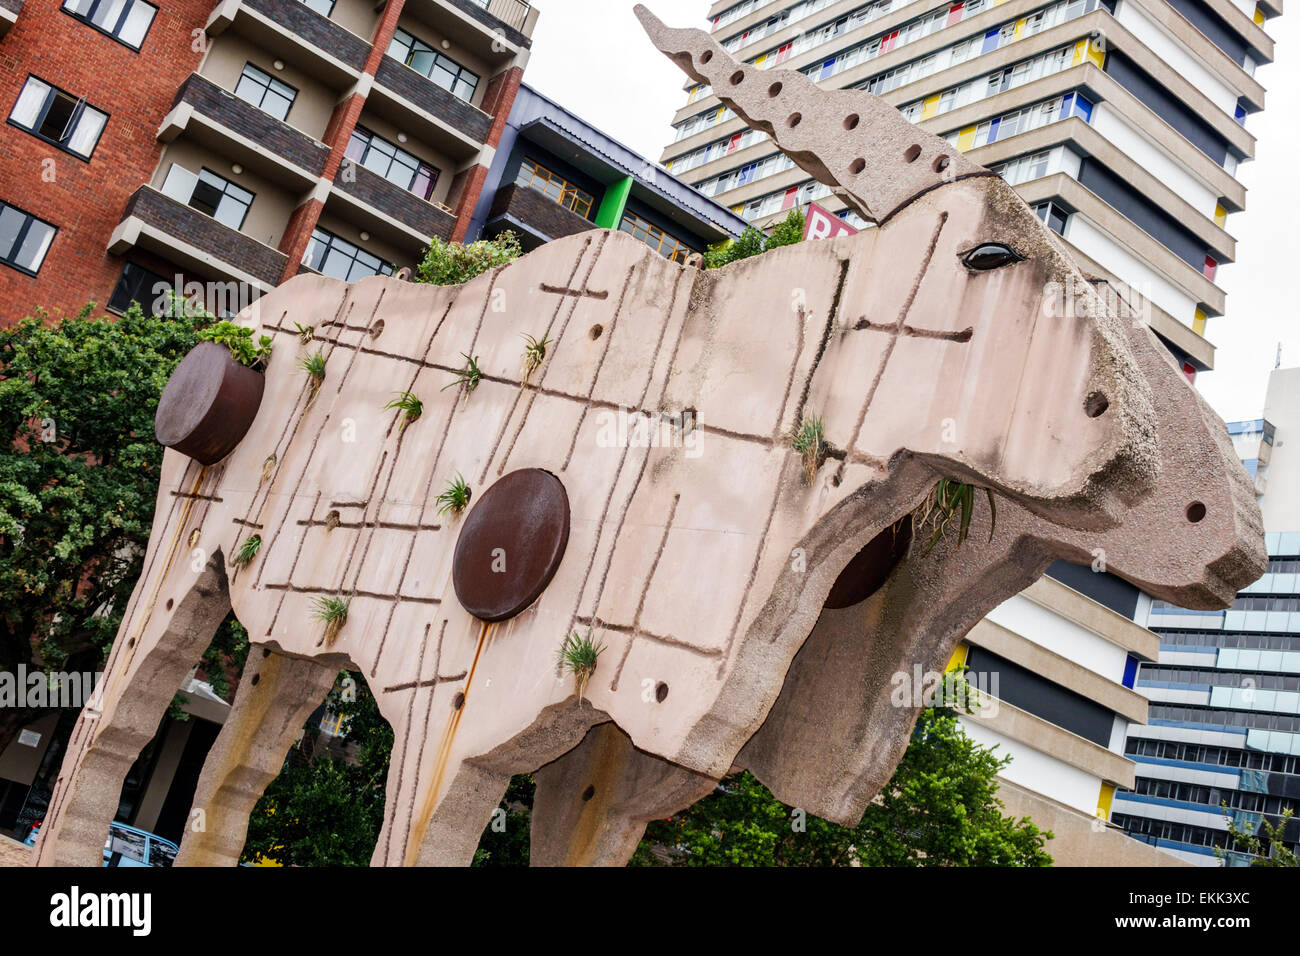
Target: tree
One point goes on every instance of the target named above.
(451, 263)
(939, 809)
(78, 480)
(754, 241)
(326, 808)
(1265, 844)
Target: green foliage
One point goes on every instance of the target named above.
(754, 241)
(810, 443)
(939, 809)
(409, 404)
(505, 839)
(454, 498)
(469, 376)
(247, 551)
(331, 610)
(78, 478)
(451, 263)
(239, 340)
(534, 354)
(579, 653)
(1265, 844)
(949, 500)
(314, 366)
(327, 810)
(305, 332)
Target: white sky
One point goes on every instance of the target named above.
(592, 57)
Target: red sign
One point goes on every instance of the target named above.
(820, 224)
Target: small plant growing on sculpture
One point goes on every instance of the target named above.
(305, 332)
(950, 501)
(314, 366)
(534, 354)
(411, 407)
(454, 498)
(333, 613)
(810, 443)
(579, 654)
(469, 376)
(239, 340)
(247, 551)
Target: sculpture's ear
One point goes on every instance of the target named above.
(851, 140)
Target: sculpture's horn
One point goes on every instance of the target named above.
(851, 140)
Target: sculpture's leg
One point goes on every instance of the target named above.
(593, 803)
(276, 696)
(164, 634)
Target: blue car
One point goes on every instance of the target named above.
(129, 846)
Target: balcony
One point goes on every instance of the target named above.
(419, 106)
(389, 211)
(534, 217)
(194, 241)
(296, 34)
(220, 121)
(495, 30)
(9, 10)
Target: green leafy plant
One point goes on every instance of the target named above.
(314, 366)
(579, 654)
(534, 354)
(454, 498)
(247, 551)
(239, 340)
(1265, 844)
(451, 263)
(950, 501)
(810, 443)
(411, 406)
(469, 376)
(753, 241)
(305, 332)
(333, 613)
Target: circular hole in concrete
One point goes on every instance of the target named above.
(661, 692)
(851, 121)
(256, 679)
(941, 163)
(596, 331)
(912, 153)
(131, 642)
(588, 793)
(737, 78)
(377, 329)
(458, 701)
(774, 89)
(1195, 512)
(266, 652)
(1096, 404)
(706, 56)
(170, 602)
(793, 120)
(857, 166)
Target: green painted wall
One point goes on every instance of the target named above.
(610, 213)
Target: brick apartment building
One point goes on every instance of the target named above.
(239, 143)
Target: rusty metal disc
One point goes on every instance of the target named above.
(511, 544)
(208, 405)
(870, 568)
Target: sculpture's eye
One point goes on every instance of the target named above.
(991, 255)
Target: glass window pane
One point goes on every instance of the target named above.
(11, 220)
(137, 24)
(30, 102)
(85, 135)
(108, 14)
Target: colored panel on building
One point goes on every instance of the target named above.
(1104, 799)
(990, 42)
(1130, 671)
(613, 203)
(1220, 216)
(1198, 322)
(955, 13)
(930, 107)
(966, 138)
(958, 659)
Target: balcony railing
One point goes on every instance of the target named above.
(189, 226)
(395, 202)
(226, 109)
(319, 31)
(542, 216)
(513, 13)
(433, 99)
(9, 10)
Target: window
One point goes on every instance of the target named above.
(138, 284)
(58, 117)
(332, 256)
(392, 162)
(1052, 214)
(126, 21)
(265, 92)
(554, 187)
(24, 239)
(209, 194)
(666, 245)
(423, 59)
(323, 7)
